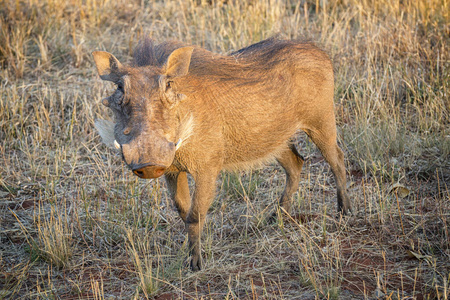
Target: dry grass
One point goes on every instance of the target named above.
(75, 224)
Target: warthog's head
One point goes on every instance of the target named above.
(147, 126)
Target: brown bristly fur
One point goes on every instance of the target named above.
(246, 108)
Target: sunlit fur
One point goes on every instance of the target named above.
(232, 112)
(237, 84)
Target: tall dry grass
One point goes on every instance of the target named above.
(74, 223)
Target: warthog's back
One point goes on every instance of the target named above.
(259, 96)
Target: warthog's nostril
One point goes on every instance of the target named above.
(138, 173)
(149, 171)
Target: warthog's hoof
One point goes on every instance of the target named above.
(273, 218)
(196, 263)
(344, 210)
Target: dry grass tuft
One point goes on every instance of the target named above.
(75, 224)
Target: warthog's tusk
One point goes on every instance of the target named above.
(178, 144)
(116, 144)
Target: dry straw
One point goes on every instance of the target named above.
(75, 224)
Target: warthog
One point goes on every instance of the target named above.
(181, 109)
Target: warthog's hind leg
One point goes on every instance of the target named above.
(326, 142)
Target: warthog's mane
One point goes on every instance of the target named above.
(245, 66)
(147, 53)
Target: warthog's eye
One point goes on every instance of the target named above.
(168, 85)
(120, 87)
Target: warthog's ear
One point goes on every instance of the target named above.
(178, 62)
(108, 66)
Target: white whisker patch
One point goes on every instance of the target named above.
(178, 144)
(105, 129)
(186, 129)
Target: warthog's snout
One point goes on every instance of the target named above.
(151, 167)
(148, 171)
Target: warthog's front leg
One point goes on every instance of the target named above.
(179, 189)
(205, 185)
